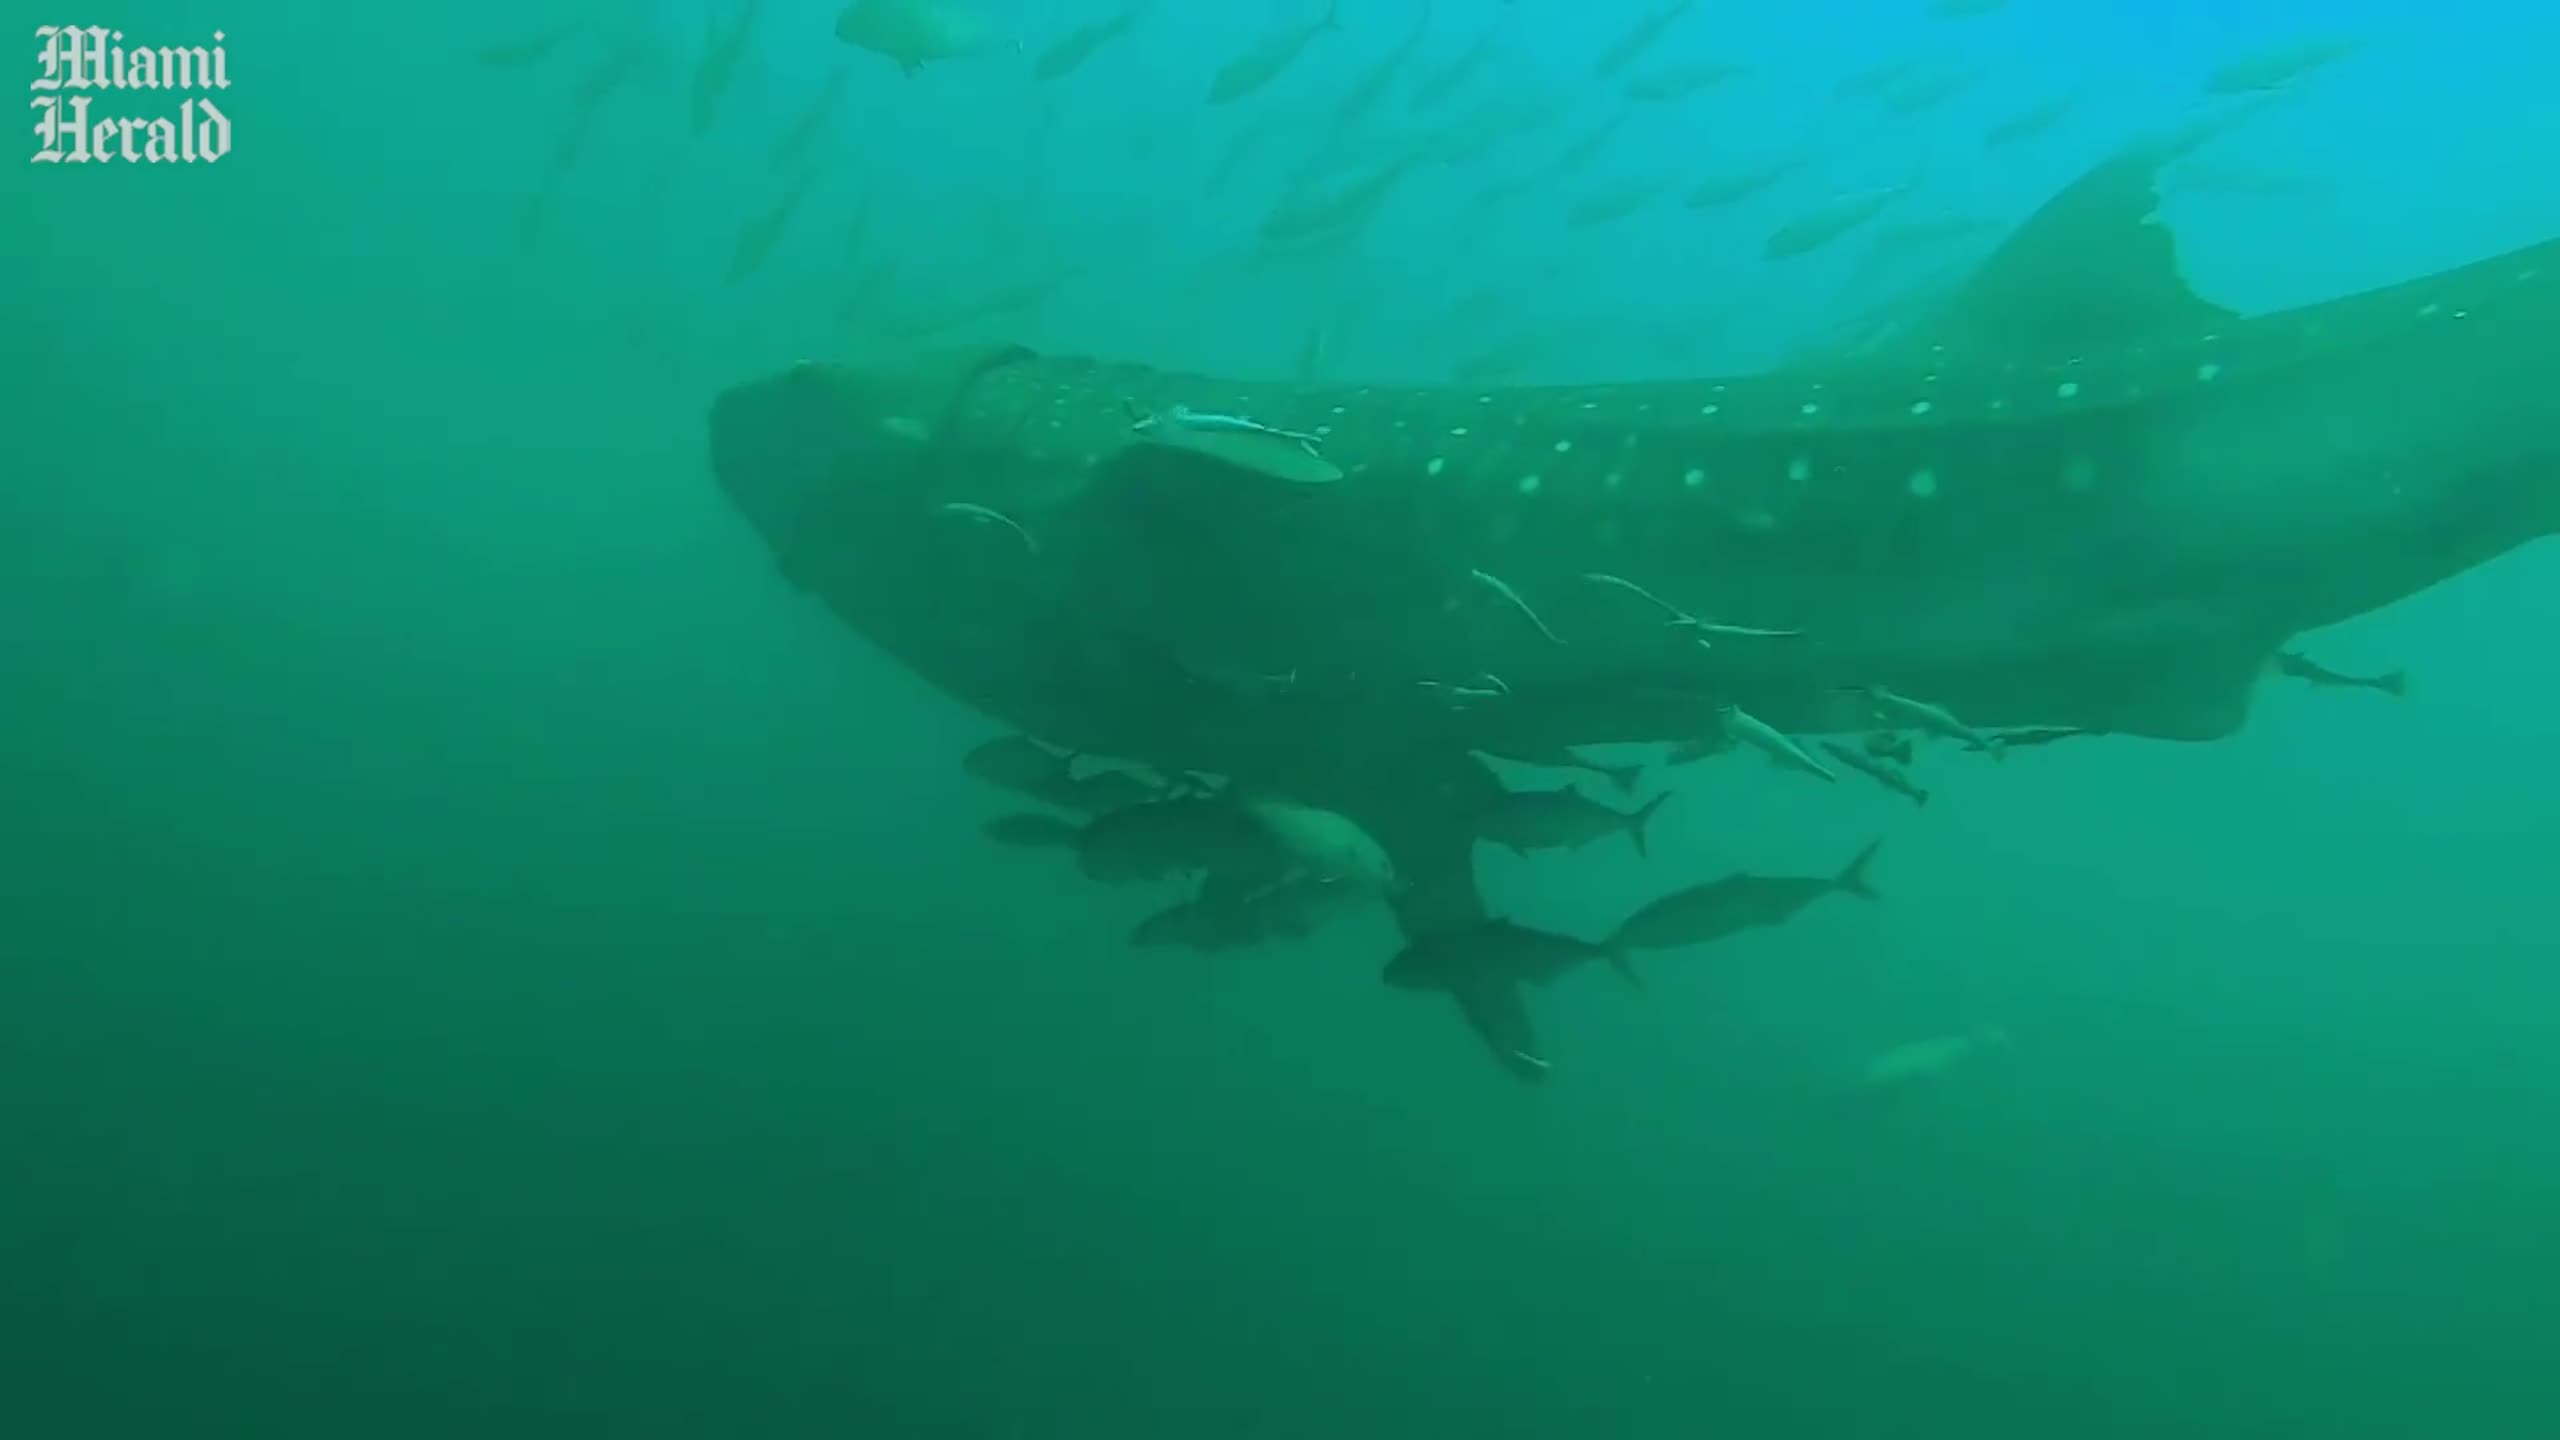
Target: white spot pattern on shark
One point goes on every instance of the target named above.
(1865, 431)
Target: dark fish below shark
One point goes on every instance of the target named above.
(1484, 969)
(2080, 499)
(1713, 910)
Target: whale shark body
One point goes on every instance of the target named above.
(2078, 496)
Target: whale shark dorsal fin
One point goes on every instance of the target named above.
(2092, 270)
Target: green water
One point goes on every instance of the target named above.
(479, 956)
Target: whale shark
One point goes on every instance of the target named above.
(2078, 494)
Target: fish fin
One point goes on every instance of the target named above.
(1619, 962)
(1186, 548)
(1418, 809)
(1495, 1010)
(1625, 777)
(1921, 797)
(2192, 687)
(2395, 684)
(2191, 692)
(2092, 269)
(1417, 800)
(1642, 817)
(1853, 876)
(1244, 453)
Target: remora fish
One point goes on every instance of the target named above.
(2076, 498)
(1742, 727)
(2295, 665)
(1033, 770)
(1936, 720)
(1877, 768)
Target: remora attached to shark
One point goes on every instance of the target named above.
(2082, 496)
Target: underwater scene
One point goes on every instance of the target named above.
(1491, 719)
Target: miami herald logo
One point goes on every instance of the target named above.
(81, 68)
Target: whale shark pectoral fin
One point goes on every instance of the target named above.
(1436, 884)
(2190, 687)
(1274, 457)
(1422, 810)
(2190, 690)
(1495, 1010)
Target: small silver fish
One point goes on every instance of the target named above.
(1288, 455)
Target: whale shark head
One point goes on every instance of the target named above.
(808, 456)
